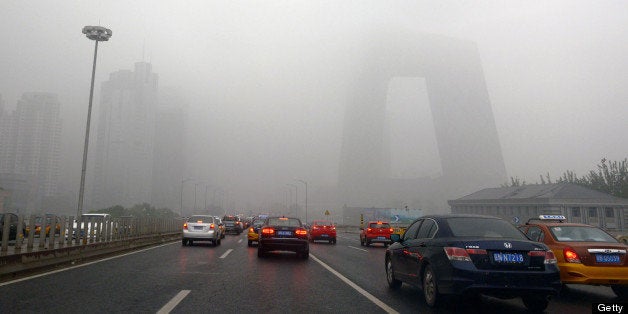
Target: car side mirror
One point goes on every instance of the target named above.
(395, 237)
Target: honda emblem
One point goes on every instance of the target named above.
(507, 245)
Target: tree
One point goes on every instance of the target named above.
(610, 177)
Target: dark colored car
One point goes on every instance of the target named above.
(323, 230)
(232, 224)
(586, 254)
(283, 234)
(12, 220)
(472, 255)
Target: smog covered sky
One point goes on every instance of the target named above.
(267, 82)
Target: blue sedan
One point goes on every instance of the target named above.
(471, 255)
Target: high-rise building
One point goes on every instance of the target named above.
(170, 148)
(30, 139)
(123, 166)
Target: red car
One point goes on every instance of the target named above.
(323, 230)
(376, 232)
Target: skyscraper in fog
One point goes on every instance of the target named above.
(170, 145)
(123, 166)
(30, 141)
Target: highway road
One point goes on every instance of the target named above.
(230, 278)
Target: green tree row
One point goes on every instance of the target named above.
(610, 177)
(138, 210)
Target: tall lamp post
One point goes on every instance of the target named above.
(182, 183)
(296, 198)
(304, 182)
(95, 33)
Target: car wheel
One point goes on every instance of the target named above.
(366, 242)
(260, 252)
(393, 283)
(334, 241)
(535, 302)
(219, 241)
(621, 291)
(361, 242)
(184, 242)
(190, 242)
(430, 290)
(305, 254)
(250, 243)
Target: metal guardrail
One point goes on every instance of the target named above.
(59, 239)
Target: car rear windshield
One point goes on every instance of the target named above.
(580, 234)
(284, 222)
(201, 219)
(379, 225)
(483, 228)
(322, 223)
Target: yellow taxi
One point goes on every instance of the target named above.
(253, 231)
(586, 254)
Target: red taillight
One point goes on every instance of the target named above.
(301, 232)
(185, 226)
(457, 254)
(314, 227)
(549, 257)
(268, 231)
(211, 226)
(369, 230)
(476, 251)
(251, 230)
(391, 230)
(570, 255)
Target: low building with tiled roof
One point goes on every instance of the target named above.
(520, 203)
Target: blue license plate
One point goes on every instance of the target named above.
(284, 233)
(381, 238)
(511, 258)
(607, 258)
(324, 235)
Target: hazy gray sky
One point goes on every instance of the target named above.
(267, 81)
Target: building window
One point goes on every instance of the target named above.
(575, 212)
(592, 212)
(610, 213)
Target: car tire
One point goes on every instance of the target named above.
(366, 242)
(535, 302)
(260, 252)
(219, 241)
(361, 242)
(250, 243)
(184, 242)
(621, 291)
(393, 283)
(304, 254)
(333, 241)
(430, 289)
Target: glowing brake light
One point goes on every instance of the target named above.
(570, 255)
(457, 254)
(369, 229)
(391, 230)
(268, 231)
(211, 226)
(185, 226)
(301, 232)
(251, 230)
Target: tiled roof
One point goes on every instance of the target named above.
(540, 191)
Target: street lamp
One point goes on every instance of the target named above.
(183, 182)
(95, 33)
(304, 182)
(296, 198)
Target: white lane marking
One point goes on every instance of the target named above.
(240, 241)
(77, 266)
(226, 253)
(357, 248)
(173, 302)
(369, 296)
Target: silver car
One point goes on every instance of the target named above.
(201, 228)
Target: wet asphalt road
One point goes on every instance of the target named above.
(230, 278)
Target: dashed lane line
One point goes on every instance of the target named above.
(226, 253)
(357, 248)
(369, 296)
(173, 302)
